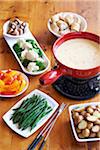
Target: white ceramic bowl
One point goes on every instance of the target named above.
(83, 24)
(25, 88)
(72, 122)
(5, 29)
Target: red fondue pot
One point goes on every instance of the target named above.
(51, 76)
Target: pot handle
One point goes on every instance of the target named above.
(50, 77)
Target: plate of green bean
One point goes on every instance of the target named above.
(30, 113)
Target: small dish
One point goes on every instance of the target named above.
(72, 122)
(83, 23)
(25, 88)
(26, 133)
(5, 29)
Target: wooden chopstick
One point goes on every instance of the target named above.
(44, 140)
(47, 129)
(44, 130)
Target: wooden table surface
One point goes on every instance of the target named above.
(36, 13)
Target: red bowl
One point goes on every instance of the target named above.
(53, 75)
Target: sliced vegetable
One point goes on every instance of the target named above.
(12, 82)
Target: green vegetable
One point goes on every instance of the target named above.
(30, 112)
(25, 62)
(35, 47)
(40, 64)
(17, 49)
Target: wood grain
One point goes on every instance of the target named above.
(36, 13)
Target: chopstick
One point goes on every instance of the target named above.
(47, 128)
(39, 136)
(44, 140)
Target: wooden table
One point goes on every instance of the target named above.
(36, 13)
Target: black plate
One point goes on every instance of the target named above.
(78, 89)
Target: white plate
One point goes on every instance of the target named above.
(26, 133)
(83, 26)
(27, 84)
(5, 29)
(72, 122)
(28, 35)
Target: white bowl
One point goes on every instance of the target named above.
(25, 88)
(72, 122)
(26, 133)
(83, 25)
(5, 29)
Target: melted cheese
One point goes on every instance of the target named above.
(79, 53)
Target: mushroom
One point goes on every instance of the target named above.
(17, 21)
(21, 31)
(15, 32)
(12, 25)
(24, 24)
(10, 31)
(22, 27)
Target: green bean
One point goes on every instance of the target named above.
(25, 115)
(31, 115)
(32, 119)
(30, 112)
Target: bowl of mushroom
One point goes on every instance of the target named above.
(15, 28)
(85, 121)
(66, 22)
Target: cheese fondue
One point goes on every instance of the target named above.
(79, 53)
